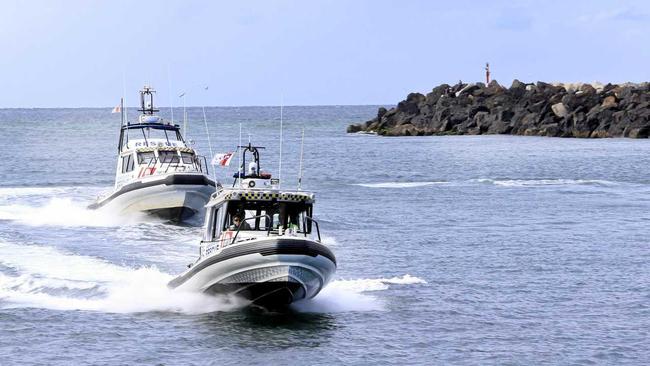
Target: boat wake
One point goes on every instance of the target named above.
(498, 182)
(399, 184)
(547, 182)
(353, 295)
(33, 276)
(15, 192)
(43, 277)
(58, 206)
(330, 241)
(66, 212)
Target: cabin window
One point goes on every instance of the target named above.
(128, 163)
(215, 223)
(161, 134)
(292, 215)
(168, 157)
(145, 157)
(265, 215)
(188, 158)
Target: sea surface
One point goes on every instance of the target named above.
(451, 250)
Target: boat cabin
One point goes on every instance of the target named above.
(239, 214)
(255, 207)
(153, 146)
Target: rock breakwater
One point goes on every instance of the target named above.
(532, 109)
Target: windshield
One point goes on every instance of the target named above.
(188, 158)
(168, 157)
(268, 215)
(145, 157)
(154, 133)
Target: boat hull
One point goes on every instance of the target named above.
(174, 197)
(272, 273)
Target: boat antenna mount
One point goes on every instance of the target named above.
(256, 158)
(146, 101)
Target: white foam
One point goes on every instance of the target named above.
(545, 182)
(398, 184)
(65, 212)
(52, 279)
(30, 191)
(329, 241)
(33, 283)
(51, 263)
(407, 279)
(48, 278)
(350, 295)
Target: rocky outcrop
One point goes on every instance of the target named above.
(540, 109)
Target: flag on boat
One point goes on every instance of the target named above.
(118, 108)
(222, 159)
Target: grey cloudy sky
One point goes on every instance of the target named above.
(77, 53)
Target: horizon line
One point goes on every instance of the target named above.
(216, 106)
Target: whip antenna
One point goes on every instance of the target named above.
(302, 149)
(280, 164)
(207, 131)
(184, 116)
(126, 115)
(240, 167)
(171, 100)
(122, 110)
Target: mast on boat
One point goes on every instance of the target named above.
(146, 101)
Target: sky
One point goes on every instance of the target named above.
(80, 53)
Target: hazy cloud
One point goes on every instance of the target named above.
(620, 14)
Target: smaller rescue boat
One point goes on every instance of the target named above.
(260, 243)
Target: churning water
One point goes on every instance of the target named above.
(490, 249)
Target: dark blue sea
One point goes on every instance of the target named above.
(501, 250)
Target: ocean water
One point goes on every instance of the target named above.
(451, 250)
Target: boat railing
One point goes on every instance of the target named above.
(317, 228)
(202, 164)
(267, 223)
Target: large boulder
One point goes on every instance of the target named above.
(560, 110)
(544, 109)
(410, 105)
(354, 128)
(381, 112)
(609, 102)
(437, 93)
